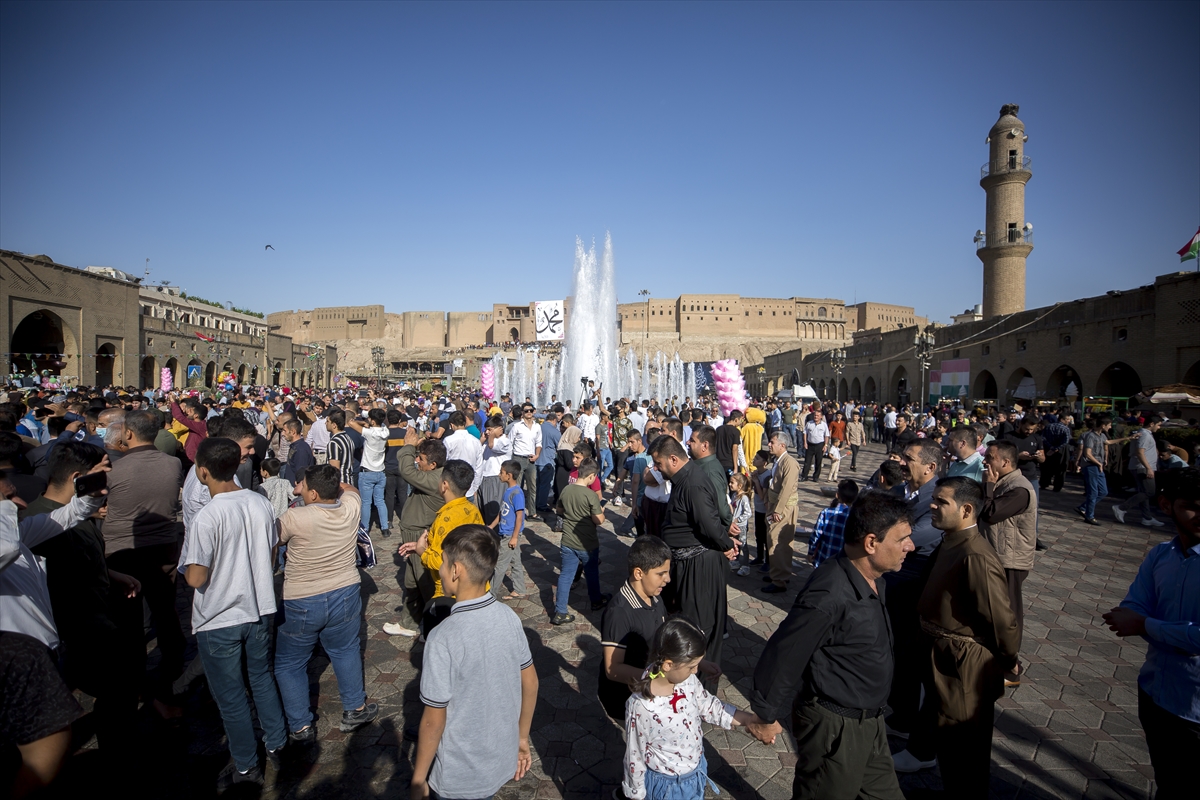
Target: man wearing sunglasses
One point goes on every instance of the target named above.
(526, 438)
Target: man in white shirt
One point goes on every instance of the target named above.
(638, 417)
(526, 438)
(816, 438)
(318, 434)
(461, 445)
(889, 427)
(371, 477)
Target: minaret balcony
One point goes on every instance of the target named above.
(1010, 238)
(1005, 165)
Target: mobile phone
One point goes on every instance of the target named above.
(91, 483)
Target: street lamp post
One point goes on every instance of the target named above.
(923, 343)
(838, 359)
(377, 357)
(645, 323)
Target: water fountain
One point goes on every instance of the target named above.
(592, 350)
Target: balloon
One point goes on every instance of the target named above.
(487, 380)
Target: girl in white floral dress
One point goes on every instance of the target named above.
(664, 751)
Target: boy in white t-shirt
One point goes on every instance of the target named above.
(835, 459)
(230, 546)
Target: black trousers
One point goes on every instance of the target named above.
(854, 456)
(911, 659)
(697, 590)
(150, 566)
(1016, 579)
(813, 455)
(1173, 743)
(1054, 470)
(395, 493)
(964, 753)
(760, 537)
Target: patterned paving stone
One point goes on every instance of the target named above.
(1070, 730)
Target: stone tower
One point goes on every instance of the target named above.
(1007, 240)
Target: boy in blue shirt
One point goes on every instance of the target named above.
(512, 522)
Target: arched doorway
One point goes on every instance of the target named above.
(1061, 380)
(984, 387)
(210, 374)
(901, 386)
(844, 390)
(869, 390)
(855, 390)
(1192, 376)
(514, 335)
(1020, 386)
(276, 373)
(821, 388)
(42, 342)
(148, 373)
(242, 374)
(106, 356)
(173, 365)
(254, 377)
(1118, 380)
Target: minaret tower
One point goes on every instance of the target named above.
(1008, 239)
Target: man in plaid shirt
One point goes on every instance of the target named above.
(826, 540)
(1057, 435)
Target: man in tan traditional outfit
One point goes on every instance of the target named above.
(783, 508)
(965, 611)
(1008, 520)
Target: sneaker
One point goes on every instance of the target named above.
(306, 735)
(1079, 510)
(396, 629)
(353, 720)
(733, 567)
(1153, 523)
(275, 758)
(562, 619)
(230, 777)
(1091, 520)
(743, 571)
(616, 501)
(602, 602)
(385, 533)
(1119, 513)
(906, 762)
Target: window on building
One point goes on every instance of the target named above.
(1021, 345)
(1064, 340)
(772, 313)
(1012, 231)
(987, 349)
(821, 312)
(1121, 334)
(760, 313)
(1012, 159)
(149, 341)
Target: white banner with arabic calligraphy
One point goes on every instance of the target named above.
(551, 323)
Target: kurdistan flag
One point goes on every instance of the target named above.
(1191, 249)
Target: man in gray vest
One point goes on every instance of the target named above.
(1008, 520)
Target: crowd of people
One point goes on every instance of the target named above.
(268, 505)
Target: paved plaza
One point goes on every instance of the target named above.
(1070, 729)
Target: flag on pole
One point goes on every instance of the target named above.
(205, 338)
(1191, 249)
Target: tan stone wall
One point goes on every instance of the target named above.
(348, 322)
(291, 323)
(94, 310)
(1113, 345)
(866, 315)
(468, 327)
(424, 329)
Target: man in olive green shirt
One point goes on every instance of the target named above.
(579, 508)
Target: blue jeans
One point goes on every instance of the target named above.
(371, 486)
(606, 464)
(571, 559)
(1095, 489)
(221, 652)
(545, 482)
(790, 429)
(333, 619)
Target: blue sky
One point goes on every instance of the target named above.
(445, 156)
